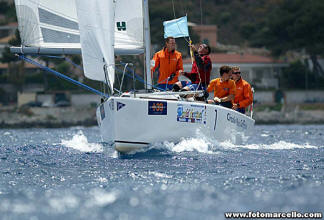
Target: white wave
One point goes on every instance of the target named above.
(280, 145)
(114, 154)
(99, 197)
(159, 175)
(80, 142)
(102, 180)
(201, 145)
(64, 203)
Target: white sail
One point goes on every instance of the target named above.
(54, 25)
(47, 23)
(129, 24)
(96, 24)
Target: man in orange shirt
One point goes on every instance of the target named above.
(169, 63)
(244, 96)
(224, 88)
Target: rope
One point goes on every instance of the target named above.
(190, 41)
(178, 24)
(22, 57)
(137, 77)
(201, 15)
(65, 58)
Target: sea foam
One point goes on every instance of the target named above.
(280, 145)
(80, 142)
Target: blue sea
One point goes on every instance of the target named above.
(69, 173)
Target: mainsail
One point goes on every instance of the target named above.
(47, 25)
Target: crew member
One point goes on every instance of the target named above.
(168, 61)
(224, 88)
(244, 96)
(200, 70)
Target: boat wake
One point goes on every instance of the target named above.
(200, 145)
(80, 142)
(280, 145)
(203, 145)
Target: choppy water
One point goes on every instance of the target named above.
(69, 174)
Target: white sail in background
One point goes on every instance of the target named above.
(48, 23)
(96, 24)
(54, 24)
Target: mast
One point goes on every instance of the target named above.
(147, 45)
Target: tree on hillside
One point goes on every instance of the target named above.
(15, 69)
(294, 25)
(8, 11)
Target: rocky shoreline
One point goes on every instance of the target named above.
(48, 117)
(299, 117)
(86, 116)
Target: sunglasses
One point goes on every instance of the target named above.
(236, 73)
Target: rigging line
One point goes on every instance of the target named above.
(178, 24)
(184, 9)
(201, 15)
(65, 58)
(122, 81)
(137, 77)
(118, 70)
(117, 77)
(22, 57)
(174, 15)
(62, 57)
(74, 64)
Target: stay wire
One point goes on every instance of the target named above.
(201, 14)
(175, 17)
(137, 77)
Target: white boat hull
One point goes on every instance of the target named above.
(133, 123)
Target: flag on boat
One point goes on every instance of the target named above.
(176, 28)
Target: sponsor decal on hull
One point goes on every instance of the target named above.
(120, 105)
(157, 108)
(215, 119)
(191, 113)
(111, 105)
(102, 112)
(235, 120)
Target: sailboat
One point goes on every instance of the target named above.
(101, 29)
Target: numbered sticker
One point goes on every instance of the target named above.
(157, 108)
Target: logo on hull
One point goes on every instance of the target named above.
(120, 105)
(235, 120)
(191, 113)
(102, 112)
(157, 108)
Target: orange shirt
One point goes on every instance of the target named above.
(244, 95)
(168, 63)
(222, 89)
